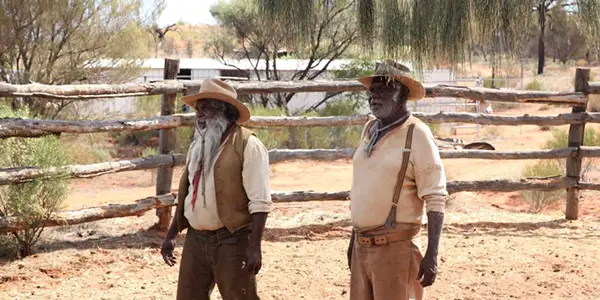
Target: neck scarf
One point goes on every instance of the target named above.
(375, 136)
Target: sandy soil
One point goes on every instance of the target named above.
(492, 248)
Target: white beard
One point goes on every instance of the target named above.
(212, 133)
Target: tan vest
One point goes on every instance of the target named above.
(232, 201)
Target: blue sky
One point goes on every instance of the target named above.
(189, 11)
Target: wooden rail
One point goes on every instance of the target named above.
(167, 122)
(98, 91)
(27, 174)
(163, 201)
(14, 127)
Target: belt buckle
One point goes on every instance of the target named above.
(214, 238)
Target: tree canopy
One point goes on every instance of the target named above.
(64, 42)
(243, 36)
(431, 31)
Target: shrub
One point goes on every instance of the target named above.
(33, 202)
(560, 139)
(149, 152)
(315, 137)
(498, 82)
(87, 148)
(540, 200)
(534, 85)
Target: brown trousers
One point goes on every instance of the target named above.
(386, 272)
(210, 259)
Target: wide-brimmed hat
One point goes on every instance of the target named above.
(219, 90)
(397, 72)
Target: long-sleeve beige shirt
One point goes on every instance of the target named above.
(374, 177)
(255, 175)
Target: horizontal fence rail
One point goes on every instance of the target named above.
(9, 224)
(96, 91)
(27, 174)
(16, 127)
(11, 127)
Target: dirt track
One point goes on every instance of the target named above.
(490, 248)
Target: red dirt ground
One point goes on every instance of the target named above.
(491, 248)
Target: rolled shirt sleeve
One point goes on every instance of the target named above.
(429, 171)
(255, 175)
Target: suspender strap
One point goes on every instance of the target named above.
(391, 219)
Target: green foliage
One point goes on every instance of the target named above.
(87, 148)
(434, 31)
(149, 152)
(358, 67)
(184, 138)
(540, 200)
(534, 85)
(33, 202)
(9, 246)
(434, 127)
(315, 137)
(64, 42)
(560, 139)
(497, 82)
(148, 106)
(331, 32)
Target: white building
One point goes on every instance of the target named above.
(203, 68)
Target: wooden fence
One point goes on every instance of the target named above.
(167, 122)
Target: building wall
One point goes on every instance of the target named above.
(299, 102)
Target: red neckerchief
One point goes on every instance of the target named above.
(201, 165)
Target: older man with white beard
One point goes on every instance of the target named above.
(225, 207)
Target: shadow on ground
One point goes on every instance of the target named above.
(341, 229)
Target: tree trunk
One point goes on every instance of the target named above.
(541, 44)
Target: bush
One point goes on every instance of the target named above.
(87, 148)
(33, 202)
(560, 139)
(315, 137)
(498, 82)
(540, 200)
(534, 85)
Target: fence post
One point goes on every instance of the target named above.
(576, 134)
(167, 140)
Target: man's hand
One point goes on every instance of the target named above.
(167, 251)
(253, 262)
(428, 270)
(169, 243)
(428, 267)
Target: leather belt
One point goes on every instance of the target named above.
(382, 237)
(219, 236)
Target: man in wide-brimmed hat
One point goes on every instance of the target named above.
(223, 200)
(397, 176)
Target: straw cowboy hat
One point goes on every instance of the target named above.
(219, 90)
(397, 72)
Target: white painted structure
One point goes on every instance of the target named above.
(203, 68)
